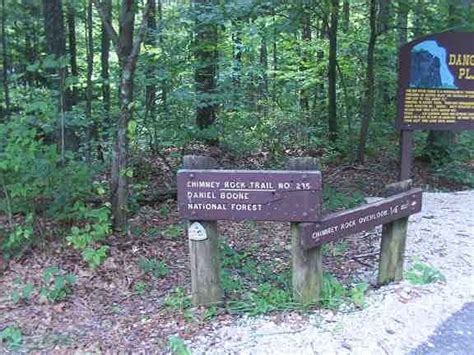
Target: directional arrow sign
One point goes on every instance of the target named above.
(337, 225)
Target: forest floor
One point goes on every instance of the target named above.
(122, 305)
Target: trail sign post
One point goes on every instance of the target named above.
(436, 88)
(206, 195)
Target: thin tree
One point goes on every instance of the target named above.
(93, 130)
(367, 108)
(56, 45)
(332, 66)
(305, 58)
(346, 12)
(71, 26)
(127, 48)
(151, 41)
(205, 53)
(402, 21)
(104, 58)
(6, 92)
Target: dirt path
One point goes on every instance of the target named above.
(397, 318)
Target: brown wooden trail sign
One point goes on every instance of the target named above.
(340, 224)
(293, 196)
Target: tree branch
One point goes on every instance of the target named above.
(109, 28)
(141, 34)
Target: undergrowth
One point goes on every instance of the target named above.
(256, 288)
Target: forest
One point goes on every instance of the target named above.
(101, 99)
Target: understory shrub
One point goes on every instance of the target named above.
(88, 238)
(33, 175)
(35, 180)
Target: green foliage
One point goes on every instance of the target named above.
(210, 313)
(95, 256)
(357, 294)
(164, 211)
(12, 337)
(32, 171)
(230, 257)
(157, 268)
(266, 298)
(332, 292)
(20, 237)
(57, 285)
(140, 287)
(230, 283)
(85, 239)
(22, 291)
(177, 300)
(422, 274)
(173, 231)
(177, 346)
(456, 171)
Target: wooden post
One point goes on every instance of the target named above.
(392, 247)
(204, 254)
(406, 143)
(307, 268)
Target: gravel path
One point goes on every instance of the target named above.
(397, 318)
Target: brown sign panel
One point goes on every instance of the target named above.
(341, 224)
(247, 194)
(436, 82)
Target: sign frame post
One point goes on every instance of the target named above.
(406, 155)
(307, 266)
(393, 242)
(204, 254)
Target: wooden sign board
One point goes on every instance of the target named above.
(436, 82)
(337, 225)
(249, 195)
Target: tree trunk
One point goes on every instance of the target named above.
(418, 18)
(205, 53)
(263, 87)
(384, 21)
(237, 53)
(127, 50)
(29, 31)
(71, 24)
(305, 59)
(163, 85)
(319, 94)
(367, 109)
(150, 89)
(402, 21)
(104, 62)
(120, 173)
(346, 11)
(56, 45)
(332, 98)
(93, 130)
(274, 56)
(6, 92)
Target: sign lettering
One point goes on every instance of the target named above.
(247, 194)
(436, 82)
(341, 224)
